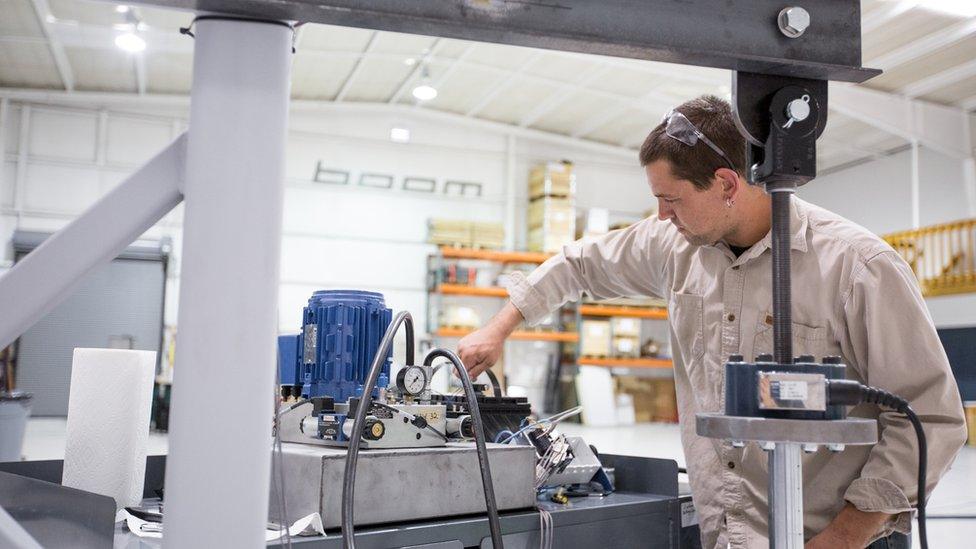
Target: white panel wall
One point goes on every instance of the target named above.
(878, 196)
(351, 236)
(334, 235)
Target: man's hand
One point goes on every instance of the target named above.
(480, 350)
(850, 529)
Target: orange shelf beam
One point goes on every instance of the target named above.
(627, 362)
(524, 335)
(494, 255)
(636, 312)
(461, 289)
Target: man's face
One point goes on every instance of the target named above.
(700, 216)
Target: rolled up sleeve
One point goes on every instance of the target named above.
(626, 262)
(896, 348)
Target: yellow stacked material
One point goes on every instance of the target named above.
(552, 179)
(449, 232)
(466, 234)
(552, 224)
(487, 236)
(595, 338)
(552, 210)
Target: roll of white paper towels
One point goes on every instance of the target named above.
(109, 404)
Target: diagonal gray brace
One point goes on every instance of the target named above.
(45, 277)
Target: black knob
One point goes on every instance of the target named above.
(765, 357)
(832, 360)
(804, 359)
(373, 429)
(736, 358)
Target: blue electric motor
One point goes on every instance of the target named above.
(341, 331)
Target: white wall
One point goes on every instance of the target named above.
(878, 196)
(334, 236)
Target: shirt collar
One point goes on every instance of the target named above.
(798, 234)
(798, 229)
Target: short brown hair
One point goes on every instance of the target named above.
(713, 117)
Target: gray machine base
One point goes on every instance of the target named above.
(404, 484)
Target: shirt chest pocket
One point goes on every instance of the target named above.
(686, 311)
(807, 340)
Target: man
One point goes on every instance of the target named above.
(708, 254)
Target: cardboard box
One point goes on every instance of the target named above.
(625, 327)
(551, 242)
(626, 347)
(550, 212)
(552, 179)
(595, 338)
(654, 399)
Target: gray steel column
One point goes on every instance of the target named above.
(786, 497)
(218, 470)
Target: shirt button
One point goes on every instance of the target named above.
(731, 465)
(731, 317)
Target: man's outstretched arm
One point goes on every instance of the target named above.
(627, 262)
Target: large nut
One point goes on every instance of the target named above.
(793, 21)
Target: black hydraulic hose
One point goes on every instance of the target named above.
(479, 440)
(782, 303)
(496, 387)
(850, 393)
(352, 455)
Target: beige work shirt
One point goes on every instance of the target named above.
(853, 296)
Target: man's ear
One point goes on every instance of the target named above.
(730, 181)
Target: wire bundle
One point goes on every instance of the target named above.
(547, 529)
(554, 459)
(549, 423)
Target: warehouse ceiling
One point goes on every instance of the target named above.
(69, 45)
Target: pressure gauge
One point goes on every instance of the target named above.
(412, 380)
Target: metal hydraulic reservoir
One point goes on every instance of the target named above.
(785, 391)
(341, 330)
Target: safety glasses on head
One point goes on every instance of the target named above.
(678, 127)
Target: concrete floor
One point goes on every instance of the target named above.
(955, 495)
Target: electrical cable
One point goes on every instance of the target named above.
(479, 439)
(551, 421)
(546, 529)
(847, 392)
(496, 387)
(294, 405)
(352, 454)
(279, 465)
(499, 435)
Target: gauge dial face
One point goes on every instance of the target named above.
(412, 380)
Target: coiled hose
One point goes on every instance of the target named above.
(479, 440)
(352, 455)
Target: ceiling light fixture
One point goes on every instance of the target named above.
(399, 135)
(130, 42)
(424, 91)
(122, 8)
(964, 8)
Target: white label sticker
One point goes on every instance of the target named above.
(793, 390)
(689, 517)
